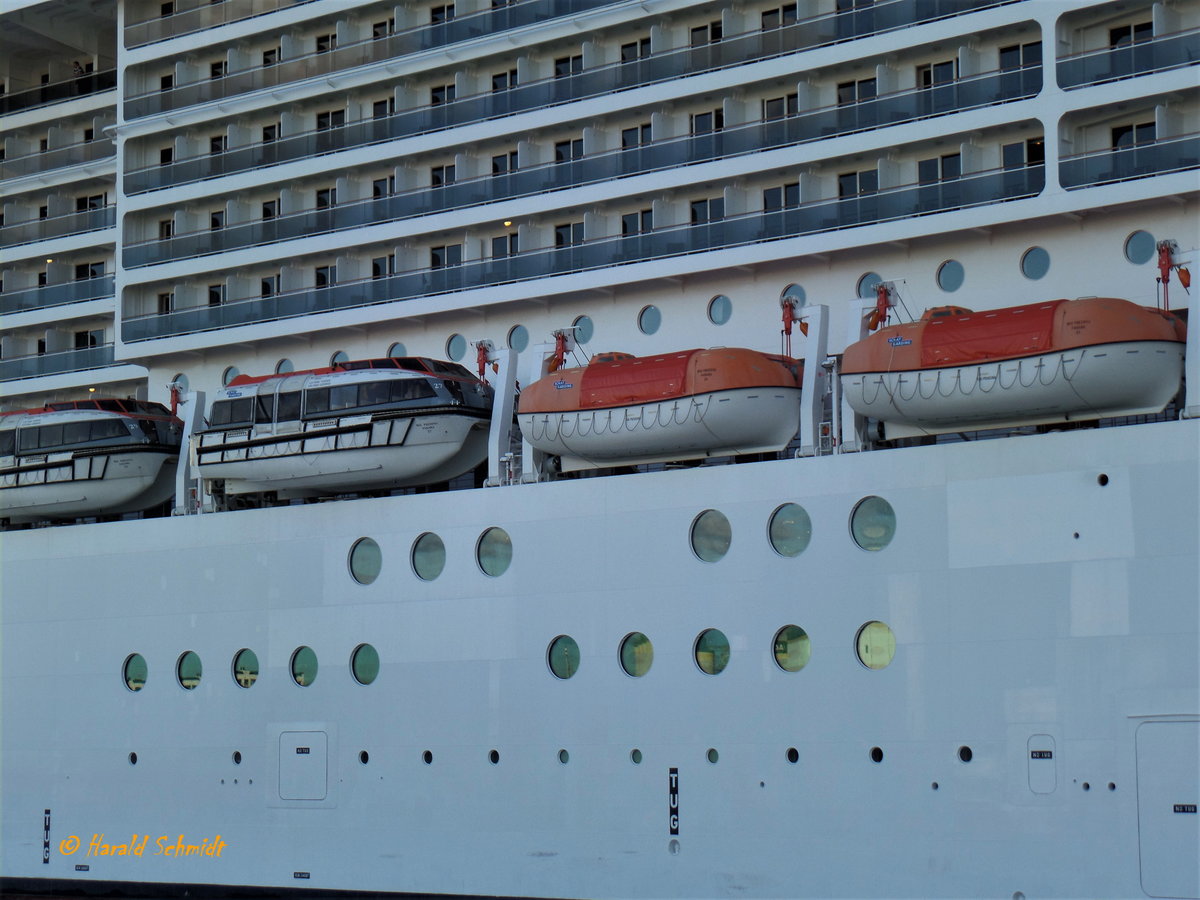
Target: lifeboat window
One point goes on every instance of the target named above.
(875, 645)
(76, 432)
(8, 442)
(316, 401)
(29, 439)
(287, 408)
(711, 535)
(950, 275)
(366, 559)
(792, 648)
(1139, 247)
(720, 309)
(790, 530)
(445, 368)
(428, 556)
(518, 338)
(711, 651)
(343, 396)
(264, 408)
(364, 663)
(110, 405)
(873, 523)
(563, 656)
(188, 670)
(374, 393)
(403, 389)
(494, 552)
(1035, 263)
(584, 329)
(134, 672)
(107, 429)
(649, 320)
(304, 666)
(245, 668)
(637, 654)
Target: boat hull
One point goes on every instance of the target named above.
(1092, 382)
(720, 423)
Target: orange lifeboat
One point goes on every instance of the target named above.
(622, 409)
(1058, 361)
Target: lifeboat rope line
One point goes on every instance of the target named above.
(648, 417)
(989, 376)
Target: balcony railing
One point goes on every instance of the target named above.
(59, 92)
(522, 98)
(1139, 161)
(1169, 51)
(59, 226)
(889, 109)
(56, 294)
(191, 16)
(58, 158)
(56, 363)
(753, 228)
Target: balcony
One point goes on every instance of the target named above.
(1170, 51)
(58, 158)
(754, 228)
(888, 109)
(596, 82)
(191, 16)
(59, 226)
(1139, 161)
(56, 295)
(56, 363)
(59, 92)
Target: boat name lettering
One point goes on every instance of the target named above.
(1184, 808)
(562, 385)
(46, 838)
(165, 845)
(233, 393)
(673, 799)
(302, 750)
(898, 341)
(1041, 754)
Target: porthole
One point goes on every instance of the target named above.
(564, 757)
(866, 285)
(494, 552)
(637, 654)
(563, 656)
(649, 319)
(428, 556)
(584, 329)
(397, 350)
(456, 347)
(237, 757)
(1035, 263)
(518, 338)
(230, 373)
(792, 648)
(793, 755)
(711, 651)
(364, 663)
(182, 381)
(494, 757)
(873, 523)
(720, 309)
(712, 755)
(188, 670)
(366, 559)
(635, 756)
(950, 275)
(245, 668)
(364, 757)
(965, 754)
(284, 367)
(133, 759)
(427, 758)
(1139, 247)
(134, 672)
(339, 357)
(304, 666)
(790, 530)
(877, 754)
(711, 535)
(875, 645)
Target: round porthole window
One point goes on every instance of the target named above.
(364, 663)
(1035, 263)
(866, 285)
(792, 648)
(712, 651)
(637, 654)
(340, 357)
(711, 535)
(518, 338)
(188, 670)
(875, 645)
(873, 523)
(720, 309)
(181, 380)
(245, 668)
(1139, 247)
(304, 666)
(366, 560)
(790, 530)
(397, 350)
(584, 329)
(428, 556)
(456, 347)
(134, 672)
(649, 319)
(563, 656)
(950, 275)
(284, 367)
(794, 293)
(230, 373)
(494, 552)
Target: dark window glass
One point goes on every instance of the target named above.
(634, 50)
(287, 409)
(636, 136)
(264, 408)
(568, 65)
(568, 234)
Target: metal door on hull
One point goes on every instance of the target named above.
(303, 771)
(1168, 794)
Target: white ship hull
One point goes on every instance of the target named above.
(746, 420)
(1125, 379)
(1042, 591)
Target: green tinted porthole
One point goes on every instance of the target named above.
(563, 656)
(711, 535)
(792, 648)
(428, 556)
(188, 670)
(366, 559)
(790, 530)
(712, 651)
(364, 663)
(584, 329)
(1139, 247)
(494, 552)
(873, 523)
(875, 645)
(304, 666)
(637, 654)
(1035, 263)
(720, 309)
(245, 668)
(456, 347)
(134, 672)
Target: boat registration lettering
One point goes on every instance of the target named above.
(1041, 754)
(562, 385)
(1185, 808)
(673, 799)
(898, 341)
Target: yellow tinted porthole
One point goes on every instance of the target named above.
(875, 645)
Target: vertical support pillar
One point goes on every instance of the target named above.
(503, 404)
(192, 407)
(815, 383)
(851, 425)
(1191, 362)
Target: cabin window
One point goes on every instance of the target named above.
(1139, 247)
(649, 320)
(790, 530)
(584, 329)
(518, 338)
(134, 672)
(563, 656)
(366, 559)
(188, 670)
(950, 275)
(875, 645)
(720, 309)
(866, 285)
(711, 535)
(792, 648)
(364, 663)
(8, 443)
(304, 666)
(287, 408)
(494, 552)
(873, 523)
(711, 651)
(245, 668)
(456, 347)
(637, 654)
(1035, 263)
(428, 556)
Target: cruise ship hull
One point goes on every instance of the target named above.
(1034, 735)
